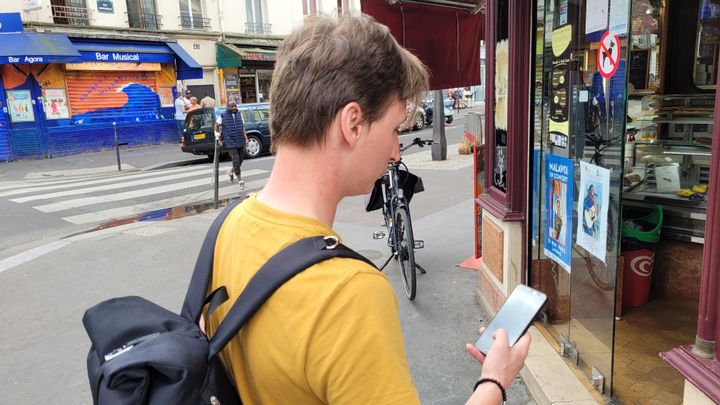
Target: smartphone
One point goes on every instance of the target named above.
(515, 316)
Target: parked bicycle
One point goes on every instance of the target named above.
(393, 192)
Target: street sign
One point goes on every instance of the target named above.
(608, 55)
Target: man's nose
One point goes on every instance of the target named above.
(395, 154)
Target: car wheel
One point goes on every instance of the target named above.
(448, 119)
(254, 147)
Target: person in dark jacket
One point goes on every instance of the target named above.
(230, 126)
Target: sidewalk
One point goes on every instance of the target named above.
(94, 163)
(44, 345)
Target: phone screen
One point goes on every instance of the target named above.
(515, 316)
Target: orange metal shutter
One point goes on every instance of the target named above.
(90, 91)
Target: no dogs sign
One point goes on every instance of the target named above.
(608, 55)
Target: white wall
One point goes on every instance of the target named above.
(43, 14)
(234, 16)
(118, 18)
(284, 15)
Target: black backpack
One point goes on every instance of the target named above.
(142, 353)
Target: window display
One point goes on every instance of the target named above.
(707, 41)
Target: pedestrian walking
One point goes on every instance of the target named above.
(181, 109)
(193, 104)
(230, 126)
(332, 333)
(207, 101)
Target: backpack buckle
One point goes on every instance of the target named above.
(332, 242)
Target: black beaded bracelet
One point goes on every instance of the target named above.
(494, 381)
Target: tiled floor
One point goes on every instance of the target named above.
(641, 377)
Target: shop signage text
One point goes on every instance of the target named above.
(25, 59)
(119, 66)
(260, 56)
(126, 57)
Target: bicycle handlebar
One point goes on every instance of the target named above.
(417, 141)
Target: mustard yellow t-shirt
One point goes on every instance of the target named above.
(329, 335)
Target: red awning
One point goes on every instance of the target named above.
(446, 39)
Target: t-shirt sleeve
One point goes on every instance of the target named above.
(356, 354)
(219, 120)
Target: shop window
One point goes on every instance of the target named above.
(708, 44)
(508, 49)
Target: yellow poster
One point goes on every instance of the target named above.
(561, 38)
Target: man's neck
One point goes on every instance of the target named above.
(303, 185)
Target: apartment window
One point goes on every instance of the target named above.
(255, 21)
(142, 14)
(309, 7)
(191, 15)
(70, 12)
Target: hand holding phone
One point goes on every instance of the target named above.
(515, 316)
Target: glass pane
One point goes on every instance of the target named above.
(579, 132)
(502, 69)
(707, 43)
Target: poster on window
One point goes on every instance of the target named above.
(559, 205)
(166, 96)
(55, 103)
(593, 209)
(20, 106)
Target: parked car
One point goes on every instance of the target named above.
(428, 108)
(199, 133)
(416, 123)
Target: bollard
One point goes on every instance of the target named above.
(117, 146)
(216, 168)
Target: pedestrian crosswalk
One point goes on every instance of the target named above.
(94, 200)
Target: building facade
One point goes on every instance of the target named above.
(599, 120)
(125, 62)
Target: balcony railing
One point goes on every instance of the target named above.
(71, 15)
(146, 21)
(194, 22)
(258, 28)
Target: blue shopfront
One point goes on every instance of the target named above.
(56, 105)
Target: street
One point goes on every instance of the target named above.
(52, 268)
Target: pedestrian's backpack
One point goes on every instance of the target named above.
(142, 353)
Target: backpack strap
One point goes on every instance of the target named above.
(200, 281)
(274, 273)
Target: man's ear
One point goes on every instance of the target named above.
(351, 122)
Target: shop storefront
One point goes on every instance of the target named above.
(245, 73)
(616, 207)
(58, 107)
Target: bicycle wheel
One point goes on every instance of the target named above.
(405, 247)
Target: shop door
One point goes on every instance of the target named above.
(27, 120)
(578, 136)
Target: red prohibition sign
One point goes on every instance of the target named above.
(608, 55)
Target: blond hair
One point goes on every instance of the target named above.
(328, 63)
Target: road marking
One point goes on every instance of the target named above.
(116, 186)
(82, 182)
(32, 254)
(128, 211)
(85, 201)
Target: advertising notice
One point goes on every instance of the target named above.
(55, 103)
(559, 205)
(593, 206)
(166, 96)
(20, 106)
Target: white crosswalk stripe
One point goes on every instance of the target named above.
(95, 200)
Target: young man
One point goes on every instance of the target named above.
(331, 335)
(230, 126)
(181, 109)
